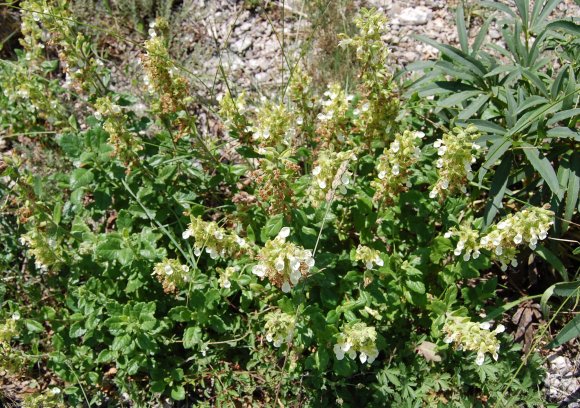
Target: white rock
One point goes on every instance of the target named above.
(242, 44)
(415, 15)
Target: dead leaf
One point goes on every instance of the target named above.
(428, 350)
(524, 318)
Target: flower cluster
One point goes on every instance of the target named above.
(50, 398)
(272, 126)
(279, 327)
(330, 173)
(300, 92)
(161, 74)
(52, 22)
(357, 337)
(369, 256)
(226, 274)
(471, 336)
(46, 250)
(333, 121)
(8, 329)
(27, 93)
(378, 106)
(233, 112)
(468, 243)
(524, 227)
(527, 226)
(284, 263)
(171, 274)
(274, 177)
(216, 240)
(457, 152)
(126, 144)
(394, 164)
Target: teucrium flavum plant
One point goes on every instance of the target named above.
(330, 221)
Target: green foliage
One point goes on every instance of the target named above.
(525, 105)
(305, 259)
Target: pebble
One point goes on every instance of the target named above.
(415, 15)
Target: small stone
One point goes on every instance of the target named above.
(494, 34)
(415, 15)
(241, 45)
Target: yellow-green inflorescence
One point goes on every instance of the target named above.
(471, 336)
(279, 327)
(357, 338)
(47, 251)
(457, 151)
(9, 329)
(369, 256)
(273, 125)
(528, 226)
(52, 22)
(162, 75)
(330, 173)
(393, 166)
(233, 111)
(378, 106)
(283, 263)
(172, 275)
(225, 276)
(126, 144)
(332, 120)
(217, 241)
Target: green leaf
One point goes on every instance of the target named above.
(543, 166)
(105, 356)
(560, 116)
(563, 133)
(488, 127)
(192, 337)
(178, 393)
(457, 98)
(180, 314)
(495, 152)
(71, 144)
(565, 25)
(568, 332)
(473, 107)
(120, 343)
(440, 247)
(416, 286)
(457, 56)
(272, 227)
(57, 213)
(81, 178)
(461, 30)
(573, 191)
(76, 330)
(113, 250)
(553, 260)
(497, 191)
(33, 326)
(562, 289)
(482, 33)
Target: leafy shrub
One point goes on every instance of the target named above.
(301, 258)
